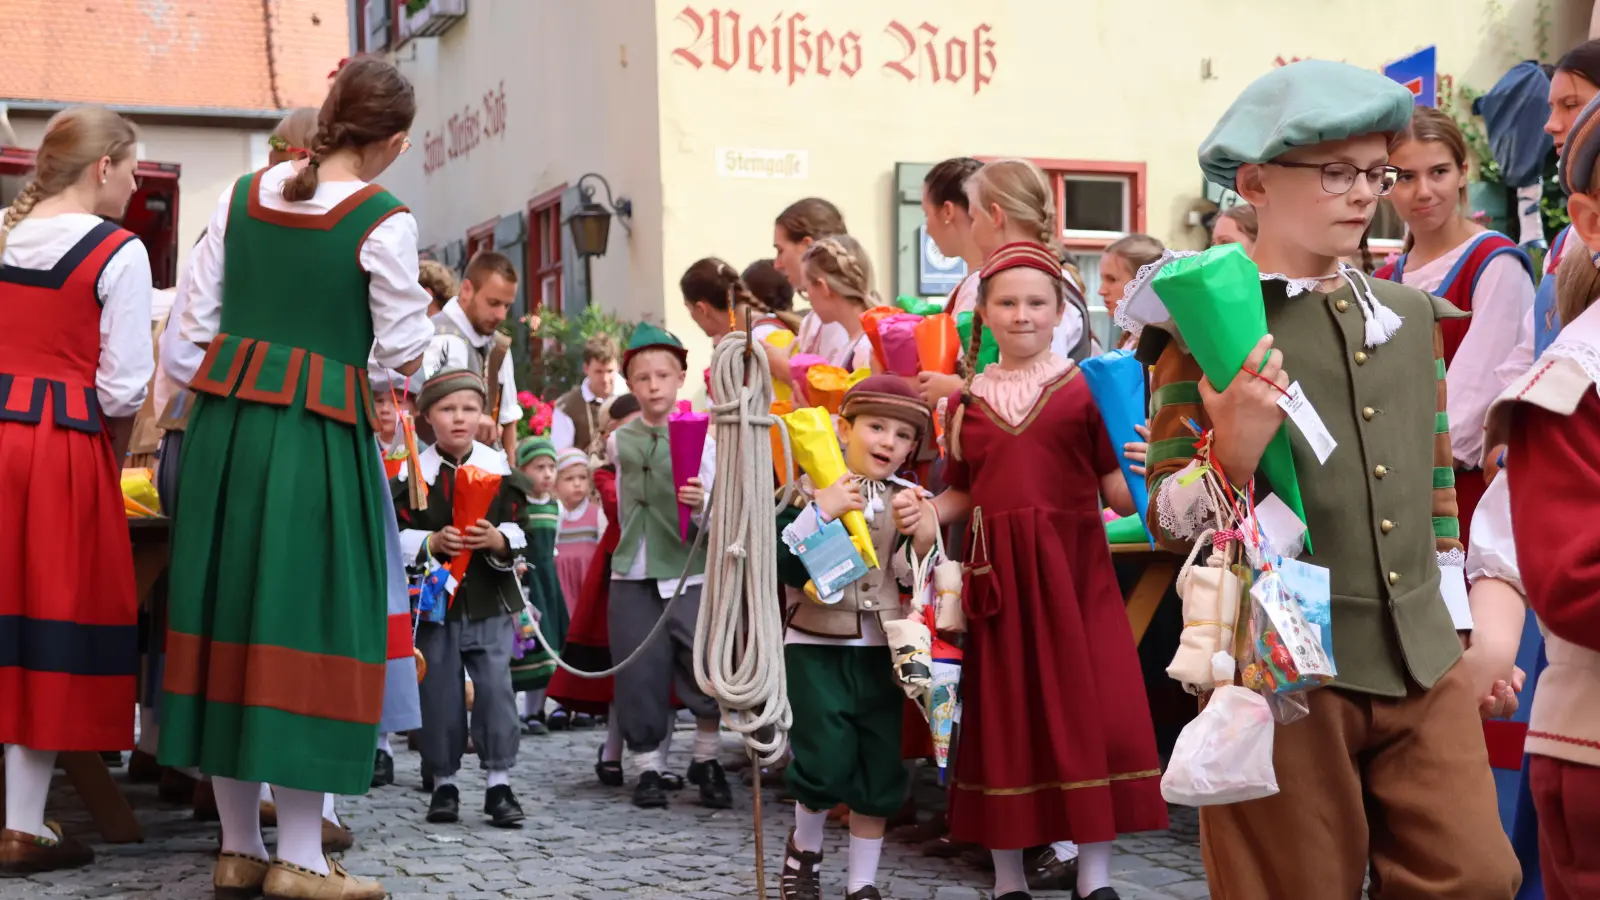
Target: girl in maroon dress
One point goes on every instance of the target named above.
(75, 360)
(1056, 740)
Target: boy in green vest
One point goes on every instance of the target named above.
(1389, 770)
(479, 632)
(650, 562)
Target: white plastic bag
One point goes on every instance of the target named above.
(1225, 754)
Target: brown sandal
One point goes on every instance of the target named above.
(801, 881)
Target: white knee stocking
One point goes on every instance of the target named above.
(300, 828)
(239, 807)
(613, 747)
(1008, 872)
(1094, 867)
(27, 785)
(149, 730)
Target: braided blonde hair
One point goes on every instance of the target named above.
(74, 140)
(841, 262)
(1023, 193)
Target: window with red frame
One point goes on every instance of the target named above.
(1097, 202)
(544, 253)
(480, 237)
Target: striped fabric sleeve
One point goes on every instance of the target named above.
(1174, 397)
(1446, 525)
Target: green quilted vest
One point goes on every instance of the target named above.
(296, 325)
(648, 505)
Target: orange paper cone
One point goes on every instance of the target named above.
(938, 344)
(825, 386)
(784, 468)
(869, 324)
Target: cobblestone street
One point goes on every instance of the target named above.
(581, 840)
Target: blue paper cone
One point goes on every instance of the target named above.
(1116, 381)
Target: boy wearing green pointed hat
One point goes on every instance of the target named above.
(1398, 737)
(651, 560)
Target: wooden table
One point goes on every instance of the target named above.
(1158, 571)
(90, 776)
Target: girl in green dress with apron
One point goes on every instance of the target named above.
(277, 635)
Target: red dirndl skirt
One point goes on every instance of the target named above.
(69, 642)
(588, 645)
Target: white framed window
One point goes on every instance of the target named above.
(1095, 207)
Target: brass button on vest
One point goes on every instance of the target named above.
(1368, 412)
(1361, 357)
(1341, 305)
(1394, 577)
(1380, 471)
(1386, 525)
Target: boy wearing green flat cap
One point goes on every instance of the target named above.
(1389, 770)
(651, 560)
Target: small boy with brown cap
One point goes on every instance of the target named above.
(478, 635)
(847, 703)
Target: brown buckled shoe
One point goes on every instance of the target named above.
(287, 881)
(22, 853)
(1046, 872)
(800, 881)
(238, 876)
(336, 838)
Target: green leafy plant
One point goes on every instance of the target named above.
(558, 367)
(412, 7)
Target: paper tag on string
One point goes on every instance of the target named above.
(1305, 418)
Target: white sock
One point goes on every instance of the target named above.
(1094, 867)
(497, 777)
(28, 774)
(1066, 851)
(239, 807)
(440, 781)
(864, 854)
(651, 761)
(383, 743)
(1008, 873)
(612, 752)
(533, 702)
(266, 791)
(706, 744)
(328, 811)
(808, 828)
(300, 828)
(149, 731)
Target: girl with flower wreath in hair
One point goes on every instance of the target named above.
(1043, 606)
(75, 362)
(305, 270)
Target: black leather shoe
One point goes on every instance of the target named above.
(609, 773)
(1047, 873)
(647, 794)
(445, 806)
(502, 808)
(559, 720)
(382, 769)
(534, 725)
(582, 720)
(1015, 895)
(1104, 893)
(869, 892)
(713, 783)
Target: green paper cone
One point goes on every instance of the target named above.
(1127, 530)
(918, 306)
(988, 350)
(1215, 300)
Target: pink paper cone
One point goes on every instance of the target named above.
(686, 436)
(798, 366)
(898, 336)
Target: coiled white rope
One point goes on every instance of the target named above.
(738, 641)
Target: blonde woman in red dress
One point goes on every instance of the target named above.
(1056, 740)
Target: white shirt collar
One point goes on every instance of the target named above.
(483, 456)
(459, 317)
(576, 513)
(589, 395)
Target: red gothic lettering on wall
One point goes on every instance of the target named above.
(465, 130)
(792, 48)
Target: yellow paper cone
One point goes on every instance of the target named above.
(816, 452)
